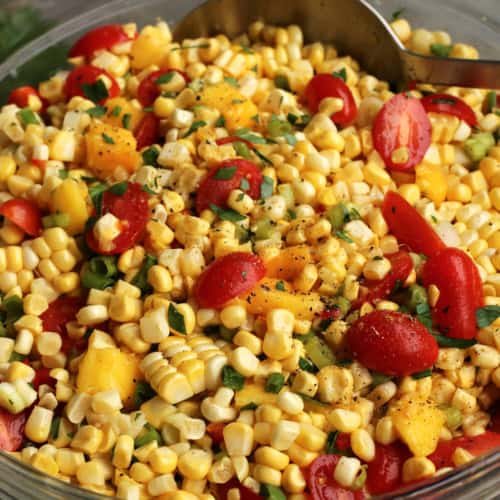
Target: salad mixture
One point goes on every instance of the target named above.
(243, 269)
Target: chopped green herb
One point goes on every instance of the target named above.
(221, 122)
(150, 156)
(422, 374)
(165, 78)
(306, 365)
(292, 214)
(397, 14)
(232, 379)
(126, 120)
(116, 111)
(247, 50)
(240, 197)
(423, 312)
(226, 213)
(440, 50)
(63, 174)
(341, 73)
(97, 111)
(148, 190)
(225, 173)
(434, 219)
(280, 286)
(100, 272)
(486, 315)
(491, 101)
(298, 121)
(143, 392)
(28, 116)
(249, 406)
(281, 82)
(15, 356)
(267, 187)
(277, 127)
(107, 139)
(379, 378)
(271, 492)
(119, 189)
(444, 341)
(146, 436)
(255, 68)
(343, 236)
(262, 157)
(194, 127)
(186, 47)
(275, 382)
(56, 220)
(331, 444)
(176, 319)
(96, 91)
(255, 118)
(54, 427)
(231, 81)
(244, 184)
(245, 133)
(140, 280)
(241, 149)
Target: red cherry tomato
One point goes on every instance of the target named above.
(11, 430)
(42, 377)
(401, 266)
(146, 132)
(477, 445)
(326, 85)
(460, 292)
(214, 430)
(215, 190)
(385, 470)
(409, 226)
(227, 277)
(87, 74)
(449, 105)
(101, 38)
(24, 214)
(132, 210)
(149, 90)
(221, 491)
(321, 484)
(402, 122)
(60, 312)
(392, 343)
(21, 95)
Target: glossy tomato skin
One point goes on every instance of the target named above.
(24, 214)
(101, 38)
(149, 90)
(21, 95)
(146, 132)
(322, 486)
(409, 226)
(460, 292)
(87, 74)
(326, 85)
(402, 122)
(392, 343)
(401, 267)
(132, 210)
(42, 377)
(228, 277)
(216, 191)
(385, 470)
(477, 445)
(221, 491)
(60, 312)
(11, 430)
(449, 105)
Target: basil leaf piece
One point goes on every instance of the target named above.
(487, 315)
(176, 319)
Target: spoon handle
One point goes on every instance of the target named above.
(451, 72)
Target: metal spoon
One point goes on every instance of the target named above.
(353, 26)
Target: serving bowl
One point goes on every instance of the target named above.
(475, 23)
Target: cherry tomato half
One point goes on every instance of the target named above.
(215, 431)
(402, 123)
(222, 179)
(146, 132)
(132, 210)
(326, 85)
(60, 312)
(401, 266)
(42, 377)
(460, 292)
(227, 277)
(87, 75)
(11, 430)
(477, 445)
(101, 38)
(449, 105)
(321, 484)
(409, 226)
(221, 491)
(149, 90)
(385, 470)
(392, 343)
(24, 214)
(21, 97)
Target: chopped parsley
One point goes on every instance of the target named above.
(176, 319)
(275, 382)
(97, 111)
(244, 184)
(194, 127)
(116, 111)
(226, 213)
(343, 236)
(232, 379)
(150, 156)
(119, 189)
(28, 117)
(221, 122)
(486, 315)
(165, 78)
(187, 47)
(267, 187)
(225, 173)
(126, 120)
(281, 82)
(96, 91)
(107, 139)
(280, 286)
(140, 280)
(341, 73)
(231, 81)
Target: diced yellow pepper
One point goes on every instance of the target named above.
(150, 47)
(289, 263)
(418, 423)
(432, 182)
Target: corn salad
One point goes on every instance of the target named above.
(124, 378)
